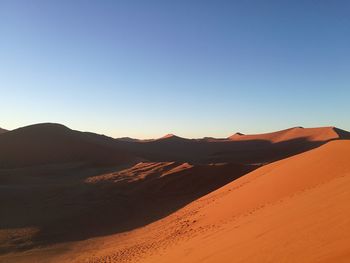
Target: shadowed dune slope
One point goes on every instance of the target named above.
(66, 204)
(54, 143)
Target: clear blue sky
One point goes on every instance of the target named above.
(193, 68)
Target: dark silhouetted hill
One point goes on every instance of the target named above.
(50, 143)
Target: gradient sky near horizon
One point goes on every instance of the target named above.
(194, 68)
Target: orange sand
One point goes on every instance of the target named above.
(293, 210)
(312, 134)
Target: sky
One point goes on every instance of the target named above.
(193, 68)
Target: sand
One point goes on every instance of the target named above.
(293, 210)
(47, 205)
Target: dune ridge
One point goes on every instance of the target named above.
(312, 134)
(50, 143)
(239, 148)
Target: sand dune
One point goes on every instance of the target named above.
(2, 130)
(292, 210)
(54, 143)
(239, 148)
(67, 203)
(295, 210)
(128, 139)
(312, 134)
(171, 137)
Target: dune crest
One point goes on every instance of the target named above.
(312, 134)
(239, 148)
(169, 137)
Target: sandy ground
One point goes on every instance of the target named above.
(293, 210)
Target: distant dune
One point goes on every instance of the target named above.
(2, 130)
(128, 139)
(54, 143)
(312, 134)
(239, 148)
(171, 137)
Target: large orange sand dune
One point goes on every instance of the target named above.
(293, 210)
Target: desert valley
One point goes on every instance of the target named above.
(71, 196)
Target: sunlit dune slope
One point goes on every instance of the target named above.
(54, 143)
(294, 210)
